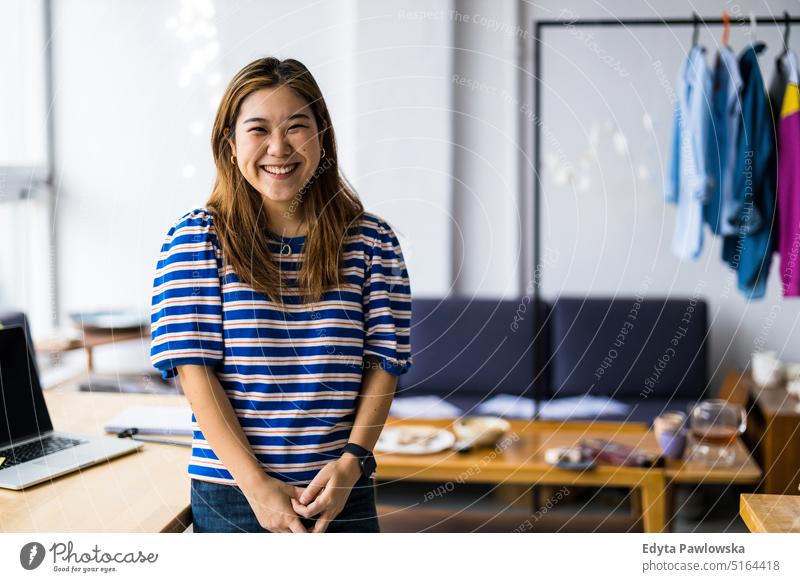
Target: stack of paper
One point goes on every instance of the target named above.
(423, 407)
(508, 406)
(556, 409)
(581, 407)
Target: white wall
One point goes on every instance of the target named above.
(132, 127)
(401, 102)
(487, 150)
(607, 230)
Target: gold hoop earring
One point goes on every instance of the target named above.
(233, 160)
(322, 154)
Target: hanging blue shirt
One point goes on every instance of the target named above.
(749, 250)
(687, 183)
(721, 147)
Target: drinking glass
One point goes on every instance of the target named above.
(714, 426)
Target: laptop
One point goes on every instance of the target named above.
(30, 450)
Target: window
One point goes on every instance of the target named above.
(25, 271)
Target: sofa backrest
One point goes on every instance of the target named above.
(469, 346)
(625, 347)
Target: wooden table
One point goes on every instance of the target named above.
(146, 491)
(92, 339)
(522, 462)
(770, 513)
(773, 430)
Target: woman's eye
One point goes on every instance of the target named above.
(262, 130)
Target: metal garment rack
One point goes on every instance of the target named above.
(539, 27)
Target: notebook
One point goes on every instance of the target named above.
(175, 420)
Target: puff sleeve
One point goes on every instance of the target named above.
(186, 313)
(387, 303)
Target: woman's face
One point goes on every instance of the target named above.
(276, 143)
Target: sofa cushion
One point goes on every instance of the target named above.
(469, 346)
(626, 348)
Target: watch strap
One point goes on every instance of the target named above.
(357, 450)
(366, 460)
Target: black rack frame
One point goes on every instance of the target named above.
(538, 28)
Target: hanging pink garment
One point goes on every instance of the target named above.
(789, 183)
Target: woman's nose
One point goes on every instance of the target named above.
(277, 145)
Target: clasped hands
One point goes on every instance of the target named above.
(327, 493)
(279, 506)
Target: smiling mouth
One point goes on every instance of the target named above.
(280, 170)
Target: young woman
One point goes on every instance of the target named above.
(284, 308)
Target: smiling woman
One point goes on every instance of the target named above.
(271, 132)
(285, 308)
(277, 156)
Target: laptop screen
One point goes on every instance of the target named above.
(23, 413)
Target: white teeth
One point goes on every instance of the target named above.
(279, 169)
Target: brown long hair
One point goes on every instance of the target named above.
(330, 204)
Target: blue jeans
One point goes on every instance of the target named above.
(224, 509)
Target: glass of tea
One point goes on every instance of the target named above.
(714, 426)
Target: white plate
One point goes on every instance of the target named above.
(414, 440)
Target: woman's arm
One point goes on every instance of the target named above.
(269, 497)
(375, 399)
(328, 491)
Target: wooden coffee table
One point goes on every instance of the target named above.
(519, 459)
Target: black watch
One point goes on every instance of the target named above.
(366, 459)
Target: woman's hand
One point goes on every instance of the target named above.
(271, 500)
(328, 491)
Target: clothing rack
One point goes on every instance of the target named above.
(539, 26)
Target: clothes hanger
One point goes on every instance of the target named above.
(786, 28)
(753, 26)
(726, 29)
(696, 31)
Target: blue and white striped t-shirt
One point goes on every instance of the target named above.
(291, 372)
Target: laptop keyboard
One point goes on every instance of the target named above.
(30, 451)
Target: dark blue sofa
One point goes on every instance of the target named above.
(649, 354)
(464, 350)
